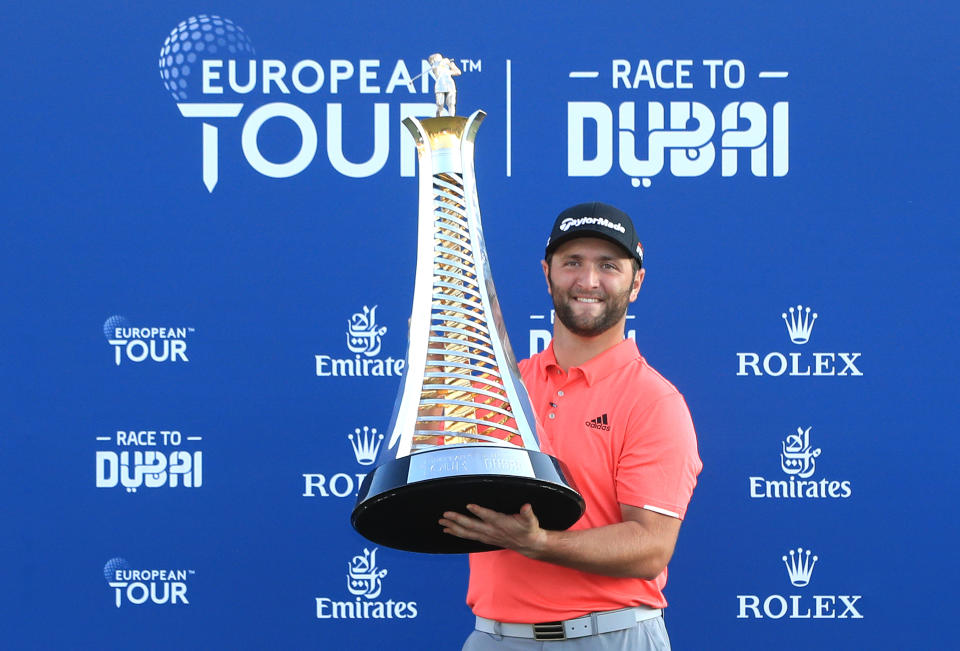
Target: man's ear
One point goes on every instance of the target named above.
(637, 281)
(546, 274)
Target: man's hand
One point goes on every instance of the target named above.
(520, 532)
(639, 546)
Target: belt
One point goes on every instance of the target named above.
(592, 624)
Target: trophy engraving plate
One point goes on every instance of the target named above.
(457, 461)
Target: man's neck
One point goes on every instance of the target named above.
(574, 350)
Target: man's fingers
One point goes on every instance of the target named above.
(526, 512)
(486, 524)
(460, 518)
(454, 519)
(460, 532)
(495, 518)
(482, 513)
(462, 526)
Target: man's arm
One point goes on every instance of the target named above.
(640, 546)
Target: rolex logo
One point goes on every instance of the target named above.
(800, 566)
(800, 563)
(366, 444)
(799, 321)
(799, 324)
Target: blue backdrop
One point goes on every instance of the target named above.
(188, 246)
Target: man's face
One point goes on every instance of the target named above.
(592, 282)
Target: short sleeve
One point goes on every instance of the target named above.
(659, 462)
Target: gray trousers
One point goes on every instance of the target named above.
(648, 635)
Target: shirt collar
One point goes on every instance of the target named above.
(599, 367)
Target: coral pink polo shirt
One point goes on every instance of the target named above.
(625, 434)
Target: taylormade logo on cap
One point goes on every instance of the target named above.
(595, 219)
(570, 222)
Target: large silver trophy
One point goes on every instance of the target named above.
(463, 430)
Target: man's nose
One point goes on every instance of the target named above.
(589, 276)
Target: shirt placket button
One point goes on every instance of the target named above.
(555, 405)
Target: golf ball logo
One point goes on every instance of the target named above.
(194, 39)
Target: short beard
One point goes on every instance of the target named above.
(615, 309)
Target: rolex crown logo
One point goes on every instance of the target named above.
(799, 324)
(366, 444)
(800, 566)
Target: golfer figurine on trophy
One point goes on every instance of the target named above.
(443, 71)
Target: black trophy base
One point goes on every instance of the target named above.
(401, 501)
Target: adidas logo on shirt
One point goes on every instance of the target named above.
(600, 422)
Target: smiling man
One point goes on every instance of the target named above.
(626, 436)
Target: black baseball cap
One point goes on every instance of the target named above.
(595, 219)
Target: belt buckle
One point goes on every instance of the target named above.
(546, 631)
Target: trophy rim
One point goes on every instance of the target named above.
(404, 515)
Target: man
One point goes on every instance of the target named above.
(626, 436)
